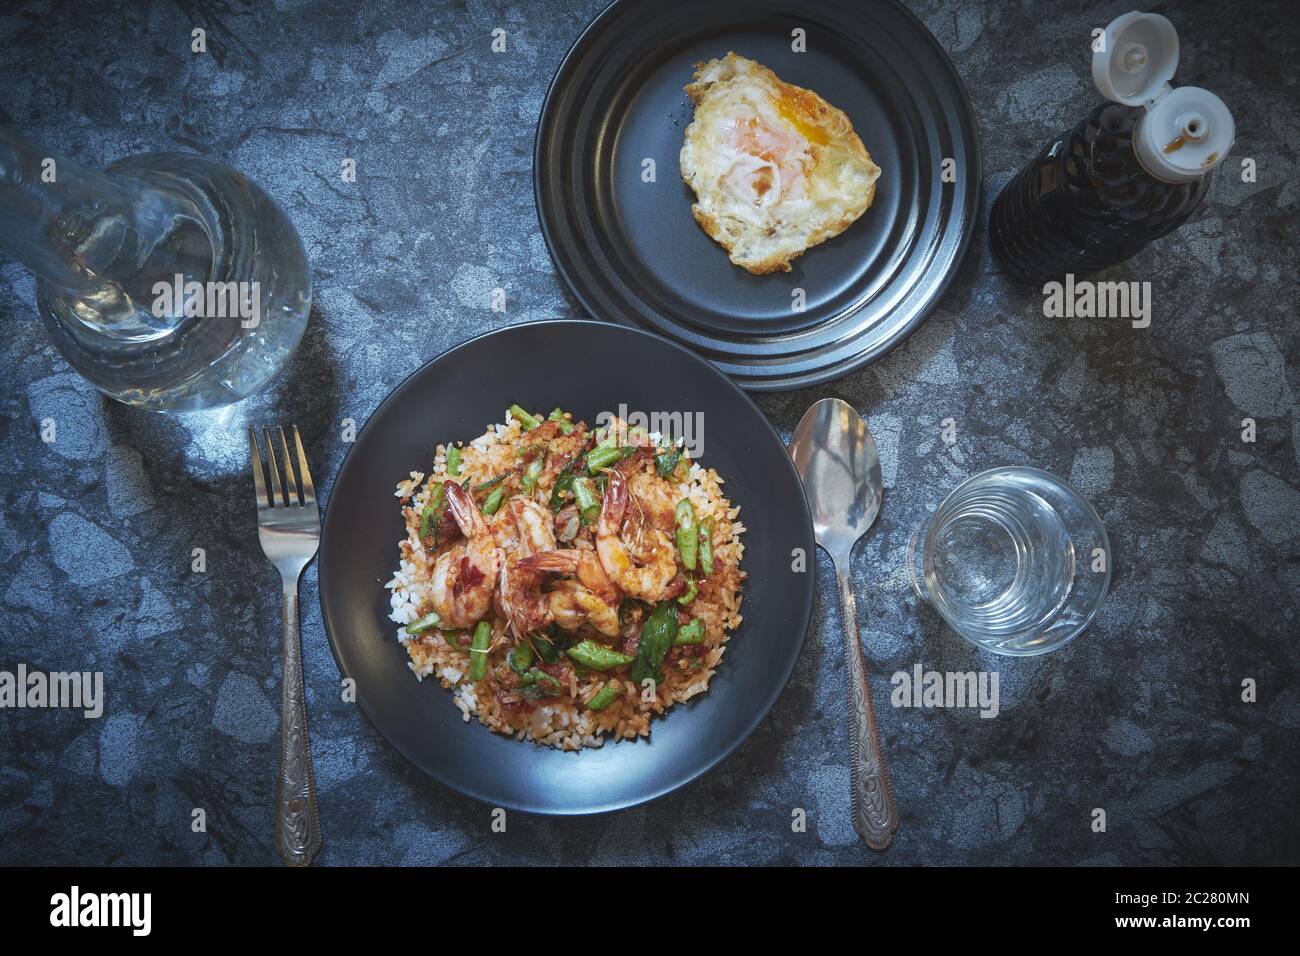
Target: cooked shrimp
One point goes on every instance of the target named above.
(639, 558)
(656, 498)
(590, 598)
(523, 527)
(520, 598)
(465, 575)
(534, 527)
(572, 605)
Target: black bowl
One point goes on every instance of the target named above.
(587, 368)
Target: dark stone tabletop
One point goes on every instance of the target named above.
(1143, 716)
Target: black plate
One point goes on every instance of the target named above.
(631, 251)
(586, 367)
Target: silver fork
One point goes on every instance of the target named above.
(288, 524)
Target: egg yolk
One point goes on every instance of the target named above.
(798, 109)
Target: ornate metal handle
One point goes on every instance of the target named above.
(875, 816)
(297, 822)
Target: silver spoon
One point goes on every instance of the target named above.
(837, 461)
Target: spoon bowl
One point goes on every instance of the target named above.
(837, 460)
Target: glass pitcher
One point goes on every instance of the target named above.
(169, 281)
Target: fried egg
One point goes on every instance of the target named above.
(775, 168)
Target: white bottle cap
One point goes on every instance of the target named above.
(1185, 132)
(1136, 59)
(1185, 135)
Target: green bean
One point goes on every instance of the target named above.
(604, 456)
(657, 636)
(478, 651)
(533, 472)
(692, 589)
(563, 483)
(432, 510)
(544, 648)
(557, 415)
(691, 632)
(426, 623)
(605, 696)
(494, 501)
(588, 505)
(520, 659)
(706, 546)
(526, 420)
(597, 656)
(545, 682)
(453, 461)
(688, 535)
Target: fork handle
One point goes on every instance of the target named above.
(875, 816)
(297, 822)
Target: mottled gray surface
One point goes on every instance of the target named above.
(1142, 716)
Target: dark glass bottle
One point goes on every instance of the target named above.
(1086, 202)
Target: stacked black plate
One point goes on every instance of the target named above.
(630, 250)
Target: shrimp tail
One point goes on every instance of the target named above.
(614, 505)
(461, 505)
(560, 561)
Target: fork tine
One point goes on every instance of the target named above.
(308, 489)
(259, 482)
(277, 493)
(290, 486)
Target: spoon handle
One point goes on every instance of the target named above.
(875, 816)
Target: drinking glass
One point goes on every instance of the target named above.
(1014, 560)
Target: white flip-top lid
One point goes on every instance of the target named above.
(1185, 132)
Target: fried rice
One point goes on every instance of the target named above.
(555, 699)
